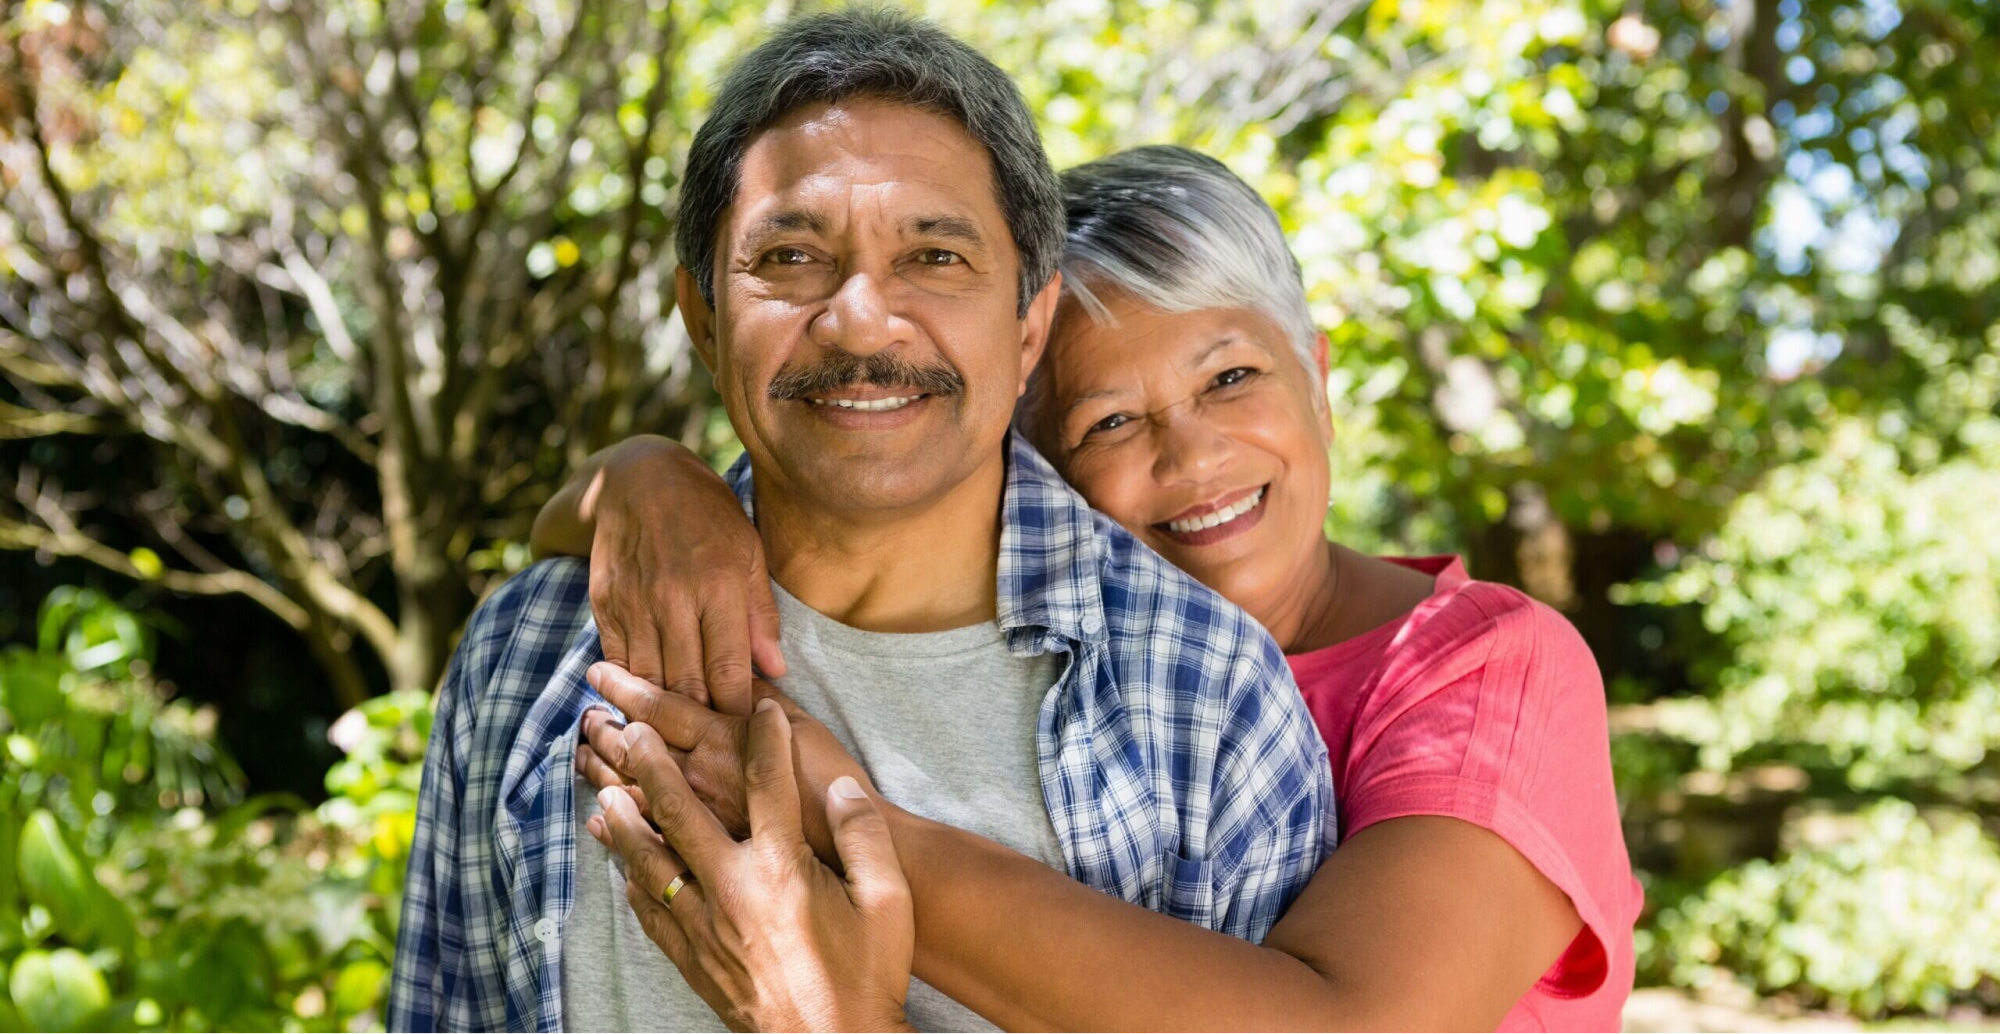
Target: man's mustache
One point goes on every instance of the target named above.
(882, 370)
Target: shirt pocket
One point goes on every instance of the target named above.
(1188, 889)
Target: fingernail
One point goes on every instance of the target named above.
(604, 797)
(594, 674)
(767, 704)
(847, 787)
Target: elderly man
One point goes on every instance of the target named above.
(869, 232)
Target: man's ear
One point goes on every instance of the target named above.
(695, 315)
(1035, 329)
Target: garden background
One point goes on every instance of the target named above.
(1683, 315)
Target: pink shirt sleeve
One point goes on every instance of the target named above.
(1494, 713)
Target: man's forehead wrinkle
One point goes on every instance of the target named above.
(835, 204)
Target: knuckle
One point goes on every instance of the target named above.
(729, 669)
(670, 810)
(689, 684)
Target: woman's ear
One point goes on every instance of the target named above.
(696, 315)
(1322, 359)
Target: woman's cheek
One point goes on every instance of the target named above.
(1113, 480)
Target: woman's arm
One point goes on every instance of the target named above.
(1416, 923)
(1421, 922)
(568, 521)
(677, 578)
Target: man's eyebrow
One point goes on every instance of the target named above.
(789, 220)
(948, 227)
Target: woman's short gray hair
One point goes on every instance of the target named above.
(1179, 232)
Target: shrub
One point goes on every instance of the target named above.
(1900, 914)
(138, 890)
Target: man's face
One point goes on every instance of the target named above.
(865, 337)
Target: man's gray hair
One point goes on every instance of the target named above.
(885, 54)
(1179, 232)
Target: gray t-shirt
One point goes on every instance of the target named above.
(945, 724)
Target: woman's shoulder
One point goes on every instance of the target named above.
(1514, 641)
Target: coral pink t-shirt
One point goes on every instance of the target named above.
(1485, 705)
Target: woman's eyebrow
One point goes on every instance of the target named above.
(1090, 396)
(1201, 358)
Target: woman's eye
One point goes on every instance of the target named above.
(938, 257)
(1110, 423)
(1234, 376)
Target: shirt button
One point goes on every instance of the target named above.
(545, 930)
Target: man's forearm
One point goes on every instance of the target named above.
(1029, 948)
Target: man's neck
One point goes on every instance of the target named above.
(922, 570)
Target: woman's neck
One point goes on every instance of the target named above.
(1305, 614)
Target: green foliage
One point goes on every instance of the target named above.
(1717, 278)
(1854, 589)
(1901, 913)
(137, 889)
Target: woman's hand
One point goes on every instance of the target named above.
(711, 750)
(767, 935)
(677, 577)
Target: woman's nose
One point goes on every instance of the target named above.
(857, 319)
(1190, 448)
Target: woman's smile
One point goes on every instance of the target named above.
(1222, 518)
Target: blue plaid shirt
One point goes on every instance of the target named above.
(1180, 768)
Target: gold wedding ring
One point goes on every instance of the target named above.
(673, 888)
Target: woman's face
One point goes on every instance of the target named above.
(1201, 433)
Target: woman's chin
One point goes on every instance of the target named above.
(1227, 566)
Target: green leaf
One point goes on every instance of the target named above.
(57, 990)
(10, 883)
(147, 563)
(31, 687)
(359, 987)
(55, 878)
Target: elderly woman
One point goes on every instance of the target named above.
(1482, 880)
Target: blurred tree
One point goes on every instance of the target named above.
(1591, 269)
(344, 266)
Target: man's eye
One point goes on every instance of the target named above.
(1234, 376)
(938, 257)
(787, 256)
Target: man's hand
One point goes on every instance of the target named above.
(767, 935)
(711, 750)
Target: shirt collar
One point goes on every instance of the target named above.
(1048, 547)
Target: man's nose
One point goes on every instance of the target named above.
(858, 318)
(1190, 448)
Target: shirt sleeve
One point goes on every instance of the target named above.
(1273, 817)
(416, 982)
(431, 931)
(1499, 720)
